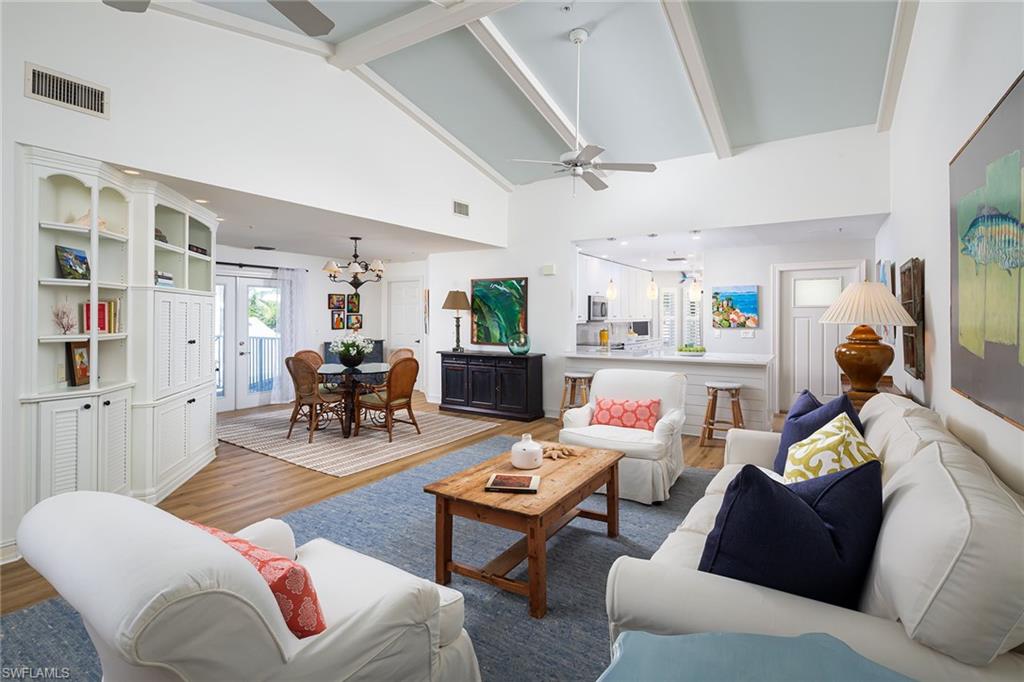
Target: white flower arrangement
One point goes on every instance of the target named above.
(351, 343)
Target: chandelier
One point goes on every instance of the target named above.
(359, 271)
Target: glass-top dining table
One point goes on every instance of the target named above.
(348, 380)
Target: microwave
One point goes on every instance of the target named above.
(597, 308)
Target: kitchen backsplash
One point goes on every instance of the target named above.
(588, 333)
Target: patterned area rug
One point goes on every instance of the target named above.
(393, 520)
(330, 452)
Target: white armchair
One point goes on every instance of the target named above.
(654, 459)
(163, 600)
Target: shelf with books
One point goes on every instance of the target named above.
(168, 247)
(118, 336)
(169, 228)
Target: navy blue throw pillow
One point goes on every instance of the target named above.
(801, 422)
(813, 538)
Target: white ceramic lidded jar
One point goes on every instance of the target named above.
(527, 453)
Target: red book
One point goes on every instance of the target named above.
(101, 312)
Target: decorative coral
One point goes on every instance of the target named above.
(64, 317)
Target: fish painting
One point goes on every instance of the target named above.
(994, 237)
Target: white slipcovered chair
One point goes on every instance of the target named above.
(654, 459)
(163, 600)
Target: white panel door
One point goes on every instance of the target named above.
(258, 345)
(193, 312)
(163, 338)
(200, 418)
(66, 446)
(171, 435)
(179, 350)
(205, 340)
(806, 347)
(405, 316)
(114, 439)
(224, 342)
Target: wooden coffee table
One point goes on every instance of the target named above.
(564, 484)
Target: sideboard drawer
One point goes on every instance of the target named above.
(481, 360)
(511, 362)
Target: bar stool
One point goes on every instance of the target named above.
(577, 384)
(711, 424)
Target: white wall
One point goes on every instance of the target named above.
(753, 266)
(317, 315)
(837, 174)
(210, 105)
(962, 59)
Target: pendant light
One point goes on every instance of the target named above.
(652, 289)
(613, 291)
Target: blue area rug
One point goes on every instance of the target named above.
(393, 520)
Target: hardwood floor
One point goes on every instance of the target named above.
(240, 487)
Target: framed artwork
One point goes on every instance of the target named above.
(426, 311)
(337, 319)
(336, 301)
(735, 306)
(885, 273)
(497, 309)
(352, 306)
(72, 263)
(912, 300)
(354, 321)
(77, 369)
(986, 187)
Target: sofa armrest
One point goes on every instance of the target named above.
(578, 417)
(667, 600)
(670, 425)
(745, 446)
(272, 534)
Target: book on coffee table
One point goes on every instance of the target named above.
(512, 483)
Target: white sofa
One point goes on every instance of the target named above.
(944, 599)
(164, 600)
(654, 459)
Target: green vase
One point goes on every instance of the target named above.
(519, 343)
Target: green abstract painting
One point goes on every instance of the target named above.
(498, 309)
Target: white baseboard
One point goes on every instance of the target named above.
(9, 551)
(434, 398)
(157, 495)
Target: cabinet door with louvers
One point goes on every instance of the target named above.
(66, 446)
(114, 440)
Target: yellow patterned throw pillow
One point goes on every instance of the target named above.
(834, 447)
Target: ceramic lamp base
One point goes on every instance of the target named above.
(864, 359)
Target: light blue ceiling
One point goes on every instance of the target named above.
(350, 17)
(635, 98)
(453, 79)
(784, 69)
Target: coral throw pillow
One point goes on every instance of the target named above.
(288, 580)
(632, 414)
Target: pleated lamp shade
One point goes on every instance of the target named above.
(867, 303)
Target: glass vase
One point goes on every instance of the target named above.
(519, 343)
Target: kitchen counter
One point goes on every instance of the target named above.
(752, 371)
(668, 356)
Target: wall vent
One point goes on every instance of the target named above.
(460, 208)
(54, 87)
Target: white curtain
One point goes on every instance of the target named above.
(291, 326)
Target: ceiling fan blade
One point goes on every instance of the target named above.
(635, 167)
(589, 153)
(547, 163)
(128, 5)
(305, 16)
(595, 182)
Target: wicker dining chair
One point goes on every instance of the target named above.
(390, 397)
(310, 404)
(400, 353)
(310, 356)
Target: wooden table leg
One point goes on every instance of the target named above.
(612, 498)
(443, 541)
(349, 387)
(536, 556)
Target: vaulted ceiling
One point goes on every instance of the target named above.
(660, 79)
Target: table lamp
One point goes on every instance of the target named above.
(863, 357)
(457, 301)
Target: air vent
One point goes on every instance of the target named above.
(66, 91)
(675, 259)
(460, 208)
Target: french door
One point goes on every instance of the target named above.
(247, 341)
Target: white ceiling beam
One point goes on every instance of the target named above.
(218, 18)
(902, 31)
(409, 29)
(432, 126)
(681, 22)
(499, 48)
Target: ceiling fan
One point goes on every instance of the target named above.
(579, 163)
(303, 14)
